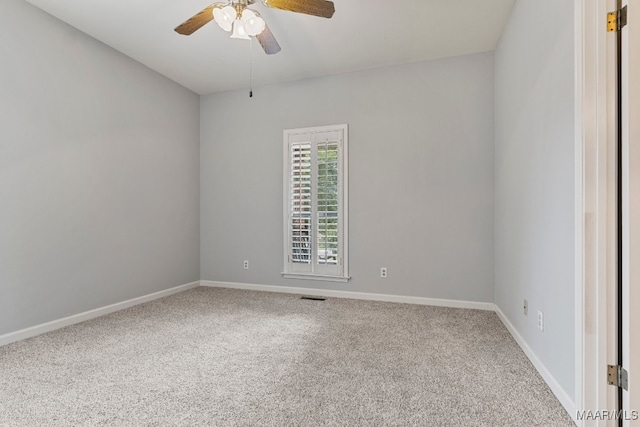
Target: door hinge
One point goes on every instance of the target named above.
(618, 376)
(616, 20)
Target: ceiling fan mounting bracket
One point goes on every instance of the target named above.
(241, 4)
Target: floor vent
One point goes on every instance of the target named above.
(314, 298)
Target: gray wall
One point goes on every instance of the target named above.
(99, 173)
(421, 177)
(534, 179)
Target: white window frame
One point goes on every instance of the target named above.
(317, 271)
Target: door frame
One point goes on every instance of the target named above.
(596, 135)
(631, 210)
(595, 209)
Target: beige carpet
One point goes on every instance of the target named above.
(224, 357)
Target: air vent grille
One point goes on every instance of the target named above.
(313, 298)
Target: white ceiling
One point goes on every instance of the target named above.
(361, 35)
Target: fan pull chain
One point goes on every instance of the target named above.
(250, 68)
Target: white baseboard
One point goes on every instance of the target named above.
(353, 295)
(91, 314)
(566, 401)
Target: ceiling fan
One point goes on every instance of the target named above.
(235, 16)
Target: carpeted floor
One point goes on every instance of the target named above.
(224, 357)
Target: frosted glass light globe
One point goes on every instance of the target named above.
(225, 17)
(253, 24)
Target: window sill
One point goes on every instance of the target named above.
(309, 276)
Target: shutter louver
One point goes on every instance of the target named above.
(327, 203)
(300, 244)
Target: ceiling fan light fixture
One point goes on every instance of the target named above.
(238, 31)
(234, 16)
(253, 24)
(225, 17)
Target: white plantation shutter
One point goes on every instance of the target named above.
(300, 207)
(327, 202)
(316, 203)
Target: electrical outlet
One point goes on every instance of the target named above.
(383, 272)
(540, 320)
(525, 307)
(246, 264)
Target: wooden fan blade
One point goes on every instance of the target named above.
(196, 22)
(322, 8)
(268, 42)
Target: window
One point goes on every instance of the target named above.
(315, 209)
